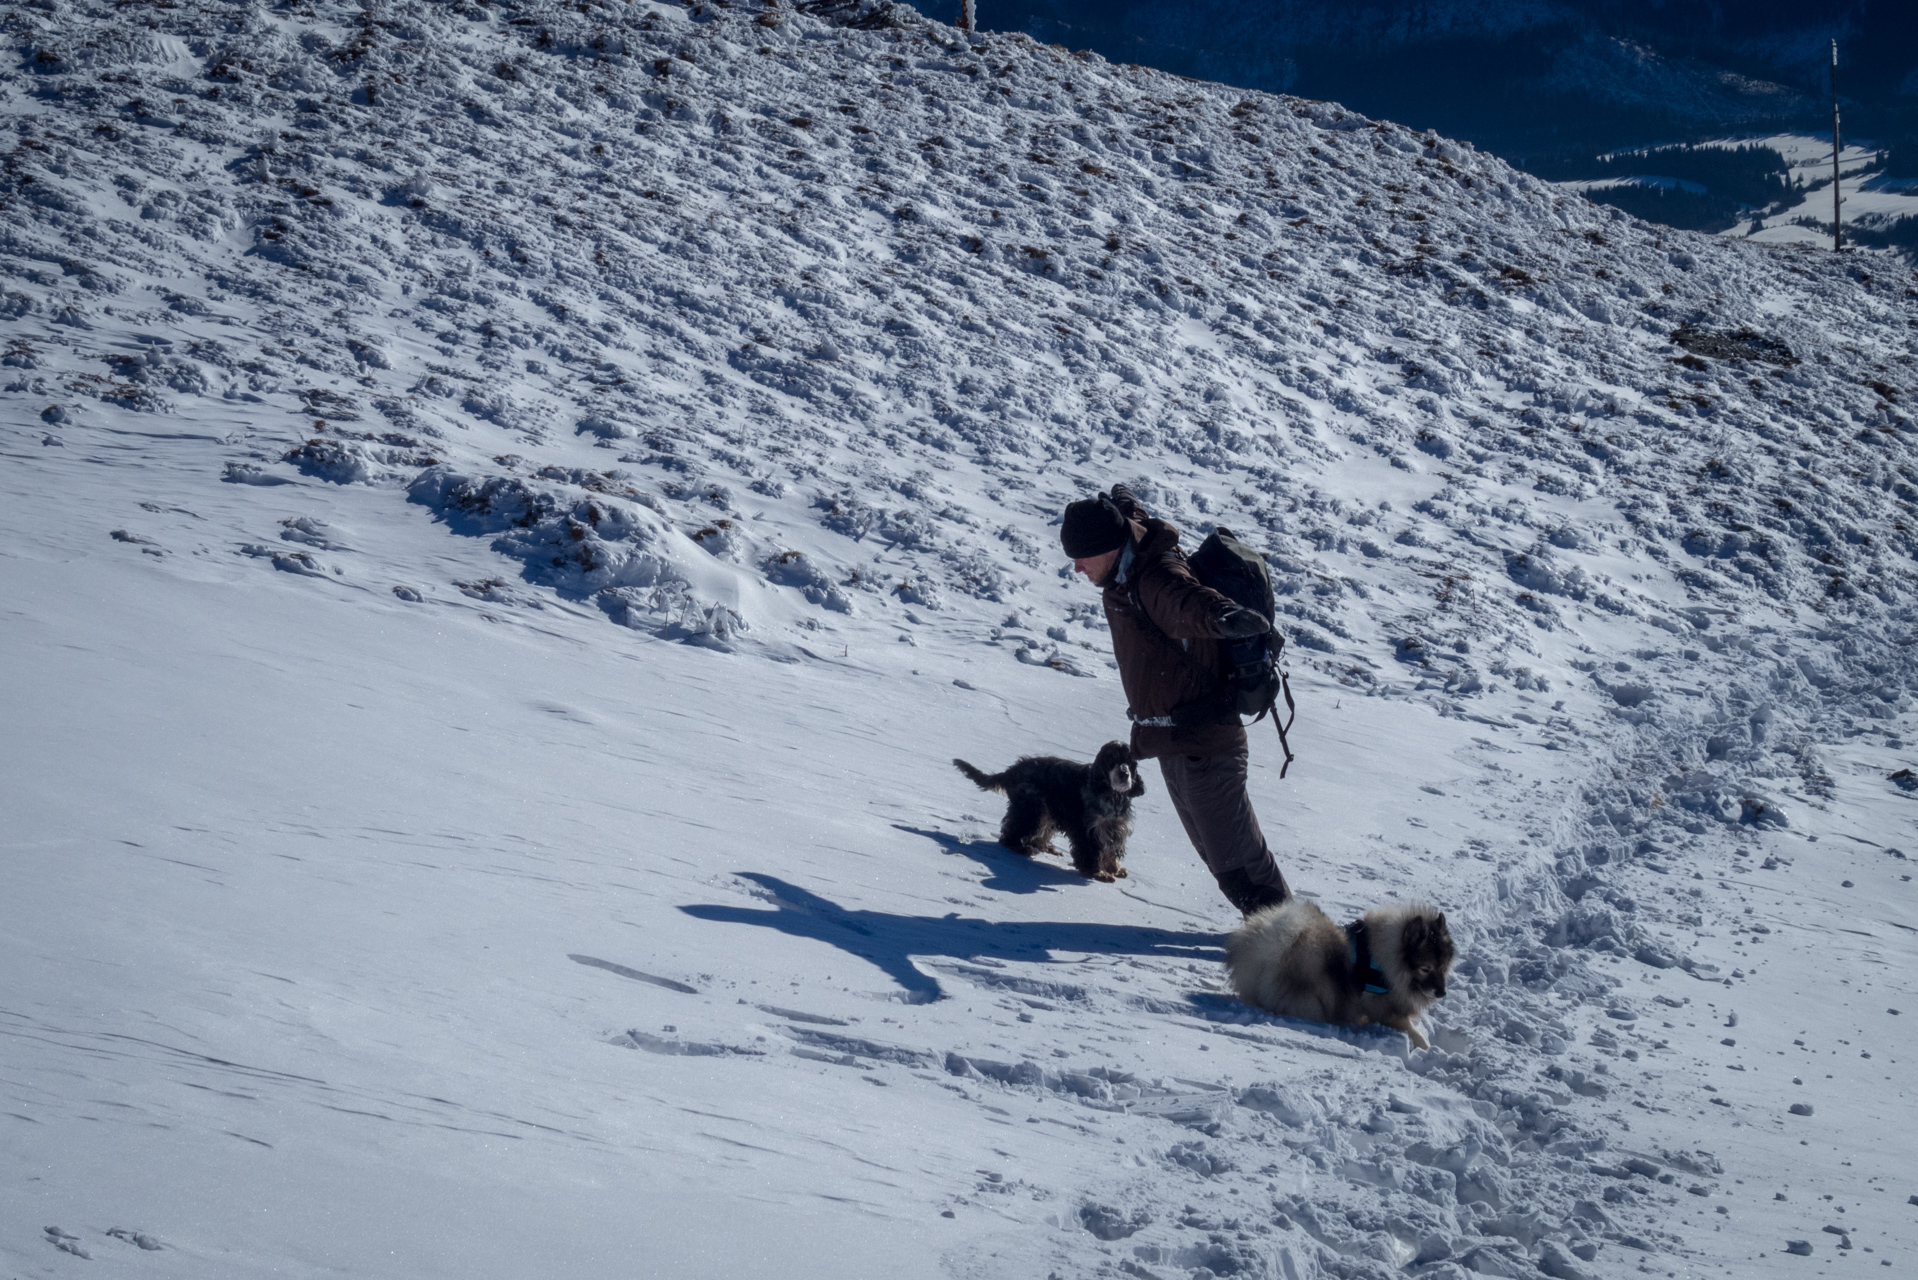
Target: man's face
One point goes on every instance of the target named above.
(1097, 568)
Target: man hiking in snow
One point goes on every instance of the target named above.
(1166, 631)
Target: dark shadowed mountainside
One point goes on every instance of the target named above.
(1526, 78)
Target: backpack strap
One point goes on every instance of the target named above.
(1285, 686)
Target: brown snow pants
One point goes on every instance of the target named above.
(1209, 794)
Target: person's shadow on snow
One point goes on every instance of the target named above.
(1011, 872)
(890, 941)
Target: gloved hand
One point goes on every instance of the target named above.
(1238, 623)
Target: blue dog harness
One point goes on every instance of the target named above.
(1358, 950)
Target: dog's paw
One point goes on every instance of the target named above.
(1103, 877)
(1120, 873)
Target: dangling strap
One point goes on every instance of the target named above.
(1285, 685)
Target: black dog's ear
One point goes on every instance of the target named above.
(1414, 935)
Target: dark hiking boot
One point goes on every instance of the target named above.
(1248, 896)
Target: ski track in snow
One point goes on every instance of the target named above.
(509, 513)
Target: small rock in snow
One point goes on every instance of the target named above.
(1801, 1108)
(1800, 1247)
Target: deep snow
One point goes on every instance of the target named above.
(495, 577)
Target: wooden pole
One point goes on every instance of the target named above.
(968, 20)
(1837, 237)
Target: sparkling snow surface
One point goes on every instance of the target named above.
(507, 515)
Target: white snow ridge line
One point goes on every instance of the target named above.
(496, 493)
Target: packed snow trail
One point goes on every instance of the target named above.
(508, 514)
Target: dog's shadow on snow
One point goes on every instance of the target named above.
(1011, 872)
(890, 941)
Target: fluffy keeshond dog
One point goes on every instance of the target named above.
(1385, 967)
(1089, 804)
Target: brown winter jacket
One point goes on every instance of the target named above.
(1165, 636)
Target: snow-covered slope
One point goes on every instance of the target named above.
(510, 512)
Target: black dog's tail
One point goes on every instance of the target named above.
(987, 781)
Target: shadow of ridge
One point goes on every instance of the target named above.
(890, 941)
(1011, 872)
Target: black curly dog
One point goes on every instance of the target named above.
(1090, 804)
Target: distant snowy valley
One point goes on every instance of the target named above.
(510, 512)
(1789, 203)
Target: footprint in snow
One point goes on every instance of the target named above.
(140, 1238)
(146, 545)
(312, 532)
(66, 1242)
(247, 473)
(299, 562)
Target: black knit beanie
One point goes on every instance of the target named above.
(1092, 527)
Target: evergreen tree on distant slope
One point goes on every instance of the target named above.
(1902, 160)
